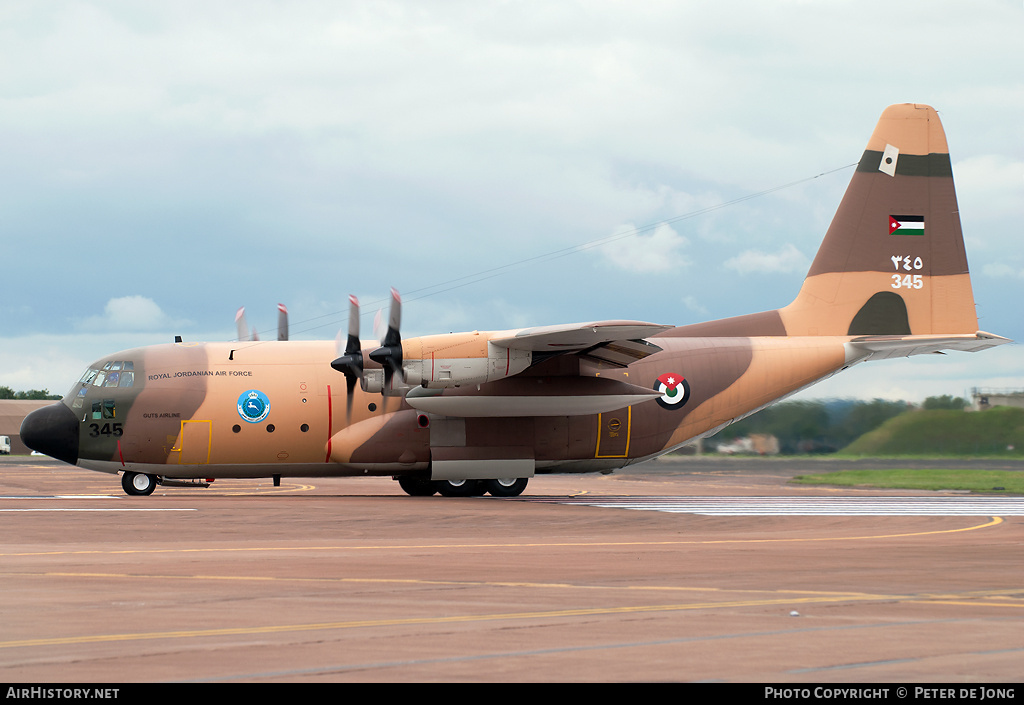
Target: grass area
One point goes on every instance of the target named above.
(996, 433)
(973, 480)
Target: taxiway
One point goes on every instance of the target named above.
(578, 580)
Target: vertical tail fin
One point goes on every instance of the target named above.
(893, 259)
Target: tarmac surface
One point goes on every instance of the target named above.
(585, 578)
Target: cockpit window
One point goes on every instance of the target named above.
(116, 373)
(105, 409)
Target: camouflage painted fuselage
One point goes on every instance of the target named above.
(890, 280)
(181, 417)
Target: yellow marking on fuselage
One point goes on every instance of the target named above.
(190, 460)
(600, 426)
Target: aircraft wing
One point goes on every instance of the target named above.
(881, 347)
(615, 342)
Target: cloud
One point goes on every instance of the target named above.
(319, 150)
(1001, 269)
(990, 183)
(131, 313)
(658, 251)
(788, 259)
(693, 305)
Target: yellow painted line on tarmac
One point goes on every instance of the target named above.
(967, 603)
(554, 544)
(447, 583)
(408, 621)
(459, 619)
(1010, 595)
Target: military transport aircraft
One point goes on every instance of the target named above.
(469, 413)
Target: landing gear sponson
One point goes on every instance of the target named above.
(139, 484)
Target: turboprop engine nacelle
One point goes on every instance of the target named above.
(456, 359)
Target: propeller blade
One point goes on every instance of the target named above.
(282, 322)
(241, 325)
(351, 362)
(378, 325)
(353, 325)
(350, 388)
(389, 354)
(394, 318)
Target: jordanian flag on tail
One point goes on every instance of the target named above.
(906, 225)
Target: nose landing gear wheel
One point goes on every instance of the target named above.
(506, 487)
(138, 484)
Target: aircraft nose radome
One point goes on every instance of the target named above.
(52, 430)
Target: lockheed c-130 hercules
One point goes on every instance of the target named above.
(469, 413)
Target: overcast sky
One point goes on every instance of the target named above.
(162, 164)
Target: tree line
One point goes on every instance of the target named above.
(824, 426)
(8, 393)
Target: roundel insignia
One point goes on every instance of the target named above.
(253, 405)
(675, 390)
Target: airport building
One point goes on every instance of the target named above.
(12, 413)
(986, 397)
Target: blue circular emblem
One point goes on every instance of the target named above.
(253, 405)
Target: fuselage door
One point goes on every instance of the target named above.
(194, 443)
(613, 433)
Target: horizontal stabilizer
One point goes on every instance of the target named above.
(881, 347)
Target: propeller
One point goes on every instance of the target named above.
(351, 362)
(282, 322)
(389, 354)
(241, 325)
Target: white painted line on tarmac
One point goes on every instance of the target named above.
(100, 509)
(806, 506)
(60, 496)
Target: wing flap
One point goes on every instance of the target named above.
(621, 353)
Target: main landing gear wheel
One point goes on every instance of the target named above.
(459, 488)
(507, 486)
(417, 487)
(138, 484)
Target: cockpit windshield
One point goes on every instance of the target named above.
(116, 373)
